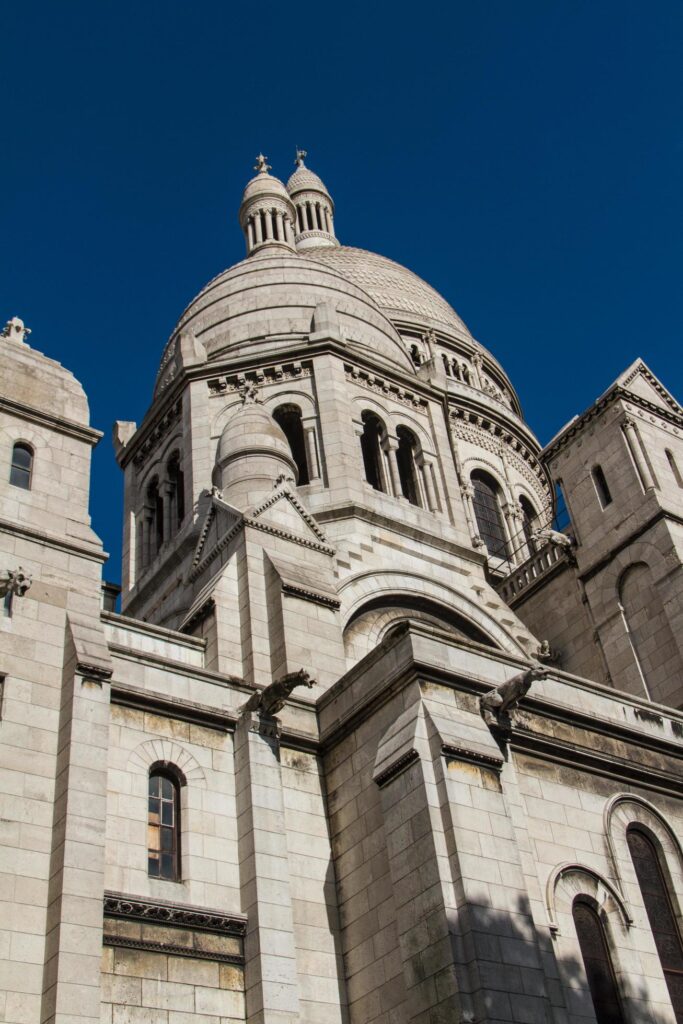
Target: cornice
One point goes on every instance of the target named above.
(50, 540)
(174, 915)
(45, 419)
(617, 391)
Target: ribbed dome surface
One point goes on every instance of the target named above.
(395, 289)
(264, 184)
(304, 179)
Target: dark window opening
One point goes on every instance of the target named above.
(673, 465)
(661, 914)
(22, 466)
(407, 471)
(487, 513)
(371, 449)
(177, 481)
(163, 831)
(598, 964)
(155, 514)
(289, 418)
(601, 486)
(446, 364)
(415, 355)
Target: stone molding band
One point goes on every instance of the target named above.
(172, 949)
(199, 919)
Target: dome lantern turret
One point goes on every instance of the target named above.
(267, 215)
(314, 208)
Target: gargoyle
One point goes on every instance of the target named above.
(274, 697)
(497, 704)
(14, 581)
(560, 540)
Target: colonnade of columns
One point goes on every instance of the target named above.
(313, 216)
(269, 225)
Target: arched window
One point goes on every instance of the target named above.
(486, 506)
(289, 418)
(528, 520)
(163, 826)
(660, 912)
(21, 468)
(370, 443)
(674, 468)
(601, 486)
(598, 963)
(176, 479)
(407, 470)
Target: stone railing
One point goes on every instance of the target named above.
(535, 568)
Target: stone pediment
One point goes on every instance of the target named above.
(220, 522)
(284, 515)
(642, 383)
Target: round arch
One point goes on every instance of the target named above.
(364, 587)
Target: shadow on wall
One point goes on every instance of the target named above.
(493, 966)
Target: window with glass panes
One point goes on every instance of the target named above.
(661, 914)
(22, 464)
(598, 964)
(163, 832)
(487, 514)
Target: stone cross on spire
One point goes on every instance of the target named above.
(262, 165)
(300, 154)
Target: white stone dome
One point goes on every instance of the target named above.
(305, 180)
(398, 292)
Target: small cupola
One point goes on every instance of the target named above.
(314, 207)
(267, 215)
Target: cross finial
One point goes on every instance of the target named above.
(300, 154)
(14, 330)
(262, 165)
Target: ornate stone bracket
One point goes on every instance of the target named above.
(162, 912)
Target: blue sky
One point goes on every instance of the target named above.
(524, 157)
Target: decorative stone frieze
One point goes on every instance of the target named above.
(379, 384)
(260, 377)
(157, 433)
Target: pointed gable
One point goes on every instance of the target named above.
(642, 383)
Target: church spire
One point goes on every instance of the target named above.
(314, 207)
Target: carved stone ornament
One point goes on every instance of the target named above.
(162, 912)
(269, 701)
(15, 330)
(15, 582)
(496, 705)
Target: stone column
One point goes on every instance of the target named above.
(467, 491)
(311, 451)
(269, 224)
(476, 370)
(259, 227)
(390, 446)
(250, 233)
(635, 447)
(270, 953)
(280, 225)
(147, 518)
(426, 468)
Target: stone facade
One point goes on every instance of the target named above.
(334, 476)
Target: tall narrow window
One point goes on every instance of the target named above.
(289, 418)
(660, 912)
(22, 466)
(373, 430)
(601, 486)
(528, 519)
(155, 515)
(407, 471)
(598, 964)
(177, 496)
(673, 465)
(487, 512)
(163, 832)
